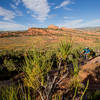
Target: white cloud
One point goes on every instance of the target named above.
(63, 4)
(18, 12)
(6, 14)
(68, 17)
(74, 23)
(66, 8)
(80, 23)
(28, 12)
(39, 7)
(17, 2)
(52, 16)
(11, 26)
(13, 6)
(91, 23)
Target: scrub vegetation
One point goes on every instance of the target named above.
(43, 74)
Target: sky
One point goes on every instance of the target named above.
(23, 14)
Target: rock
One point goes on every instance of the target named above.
(53, 27)
(91, 72)
(36, 31)
(66, 29)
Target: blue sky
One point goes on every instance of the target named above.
(22, 14)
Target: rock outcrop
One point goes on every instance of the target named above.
(68, 29)
(91, 72)
(53, 27)
(65, 29)
(36, 31)
(41, 31)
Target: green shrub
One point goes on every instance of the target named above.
(64, 50)
(9, 64)
(36, 67)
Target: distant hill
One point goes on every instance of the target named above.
(48, 37)
(52, 29)
(91, 29)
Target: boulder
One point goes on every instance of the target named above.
(91, 72)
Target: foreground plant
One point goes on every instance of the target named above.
(15, 93)
(38, 71)
(40, 74)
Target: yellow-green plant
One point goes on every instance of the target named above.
(85, 90)
(15, 93)
(78, 87)
(36, 68)
(9, 64)
(64, 50)
(38, 64)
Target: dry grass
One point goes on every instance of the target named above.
(46, 41)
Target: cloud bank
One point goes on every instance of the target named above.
(80, 23)
(11, 26)
(40, 8)
(6, 14)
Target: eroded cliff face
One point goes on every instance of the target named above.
(41, 31)
(8, 34)
(36, 31)
(53, 27)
